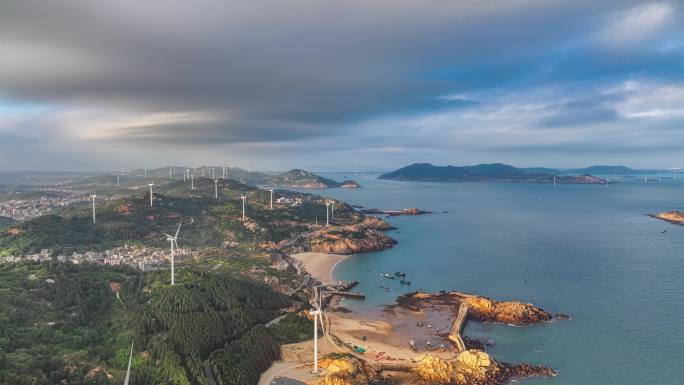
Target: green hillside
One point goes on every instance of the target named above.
(131, 220)
(63, 323)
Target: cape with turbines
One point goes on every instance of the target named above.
(225, 293)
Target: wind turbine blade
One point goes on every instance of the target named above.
(128, 372)
(167, 235)
(322, 323)
(179, 226)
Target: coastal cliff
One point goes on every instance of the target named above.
(674, 216)
(481, 309)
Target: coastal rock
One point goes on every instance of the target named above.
(376, 223)
(473, 367)
(674, 216)
(346, 369)
(349, 240)
(481, 309)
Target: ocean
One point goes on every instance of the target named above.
(588, 251)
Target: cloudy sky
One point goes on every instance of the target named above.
(353, 84)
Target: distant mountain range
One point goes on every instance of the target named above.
(493, 172)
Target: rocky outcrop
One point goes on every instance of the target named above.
(361, 237)
(473, 367)
(673, 216)
(346, 369)
(350, 239)
(376, 223)
(480, 308)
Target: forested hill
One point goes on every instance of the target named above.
(63, 323)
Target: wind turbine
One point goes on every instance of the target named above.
(244, 199)
(224, 171)
(317, 314)
(118, 175)
(145, 173)
(93, 196)
(130, 359)
(271, 190)
(174, 243)
(151, 184)
(215, 188)
(192, 181)
(170, 173)
(554, 181)
(327, 216)
(212, 173)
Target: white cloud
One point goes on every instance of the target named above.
(656, 101)
(637, 25)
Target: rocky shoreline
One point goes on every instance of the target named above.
(674, 216)
(472, 366)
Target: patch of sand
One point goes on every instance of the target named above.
(320, 265)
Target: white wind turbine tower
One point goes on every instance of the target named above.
(118, 176)
(327, 216)
(151, 184)
(271, 191)
(244, 199)
(215, 188)
(128, 371)
(192, 181)
(554, 181)
(224, 172)
(93, 196)
(145, 173)
(170, 173)
(212, 173)
(317, 314)
(174, 246)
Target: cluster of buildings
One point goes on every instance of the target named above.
(24, 209)
(141, 257)
(283, 201)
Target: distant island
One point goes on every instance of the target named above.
(493, 172)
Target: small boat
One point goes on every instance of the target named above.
(400, 274)
(405, 282)
(388, 276)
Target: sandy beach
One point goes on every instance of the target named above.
(320, 265)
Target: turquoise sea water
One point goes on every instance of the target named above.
(587, 251)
